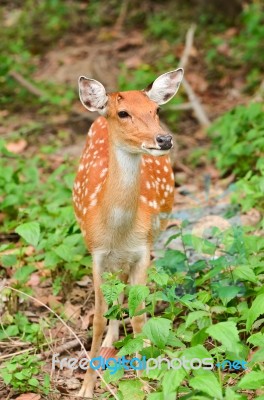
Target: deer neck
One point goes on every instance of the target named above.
(122, 187)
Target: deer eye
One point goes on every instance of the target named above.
(158, 110)
(123, 114)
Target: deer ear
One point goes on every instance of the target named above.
(165, 86)
(92, 94)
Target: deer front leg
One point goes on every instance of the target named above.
(138, 276)
(113, 327)
(99, 324)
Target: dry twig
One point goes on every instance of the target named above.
(195, 102)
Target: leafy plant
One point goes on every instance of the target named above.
(238, 139)
(22, 373)
(43, 219)
(216, 299)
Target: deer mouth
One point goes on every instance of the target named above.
(154, 151)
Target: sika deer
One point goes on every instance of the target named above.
(124, 182)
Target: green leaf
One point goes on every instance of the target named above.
(253, 380)
(6, 376)
(207, 383)
(227, 293)
(112, 312)
(255, 310)
(131, 347)
(23, 273)
(8, 260)
(156, 396)
(258, 356)
(158, 331)
(231, 395)
(245, 273)
(11, 330)
(198, 351)
(225, 333)
(64, 252)
(257, 339)
(137, 294)
(33, 382)
(109, 376)
(111, 291)
(193, 316)
(132, 389)
(30, 232)
(161, 278)
(172, 380)
(171, 238)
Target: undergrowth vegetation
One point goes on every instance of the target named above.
(209, 295)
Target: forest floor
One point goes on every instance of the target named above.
(202, 195)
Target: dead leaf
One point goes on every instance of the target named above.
(85, 281)
(73, 383)
(34, 280)
(72, 312)
(133, 62)
(29, 396)
(224, 49)
(29, 250)
(252, 217)
(198, 83)
(87, 320)
(16, 147)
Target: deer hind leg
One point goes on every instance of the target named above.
(99, 324)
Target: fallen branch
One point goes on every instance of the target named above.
(60, 349)
(26, 84)
(194, 101)
(196, 104)
(183, 106)
(188, 46)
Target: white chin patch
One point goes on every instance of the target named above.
(155, 152)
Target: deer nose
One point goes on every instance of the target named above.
(164, 141)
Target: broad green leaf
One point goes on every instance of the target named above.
(171, 238)
(245, 273)
(137, 294)
(227, 293)
(33, 382)
(132, 389)
(225, 333)
(10, 330)
(253, 380)
(8, 260)
(157, 330)
(64, 252)
(255, 310)
(30, 232)
(207, 383)
(23, 273)
(258, 356)
(156, 396)
(131, 347)
(172, 380)
(231, 395)
(112, 312)
(198, 351)
(112, 291)
(6, 376)
(193, 316)
(109, 376)
(257, 339)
